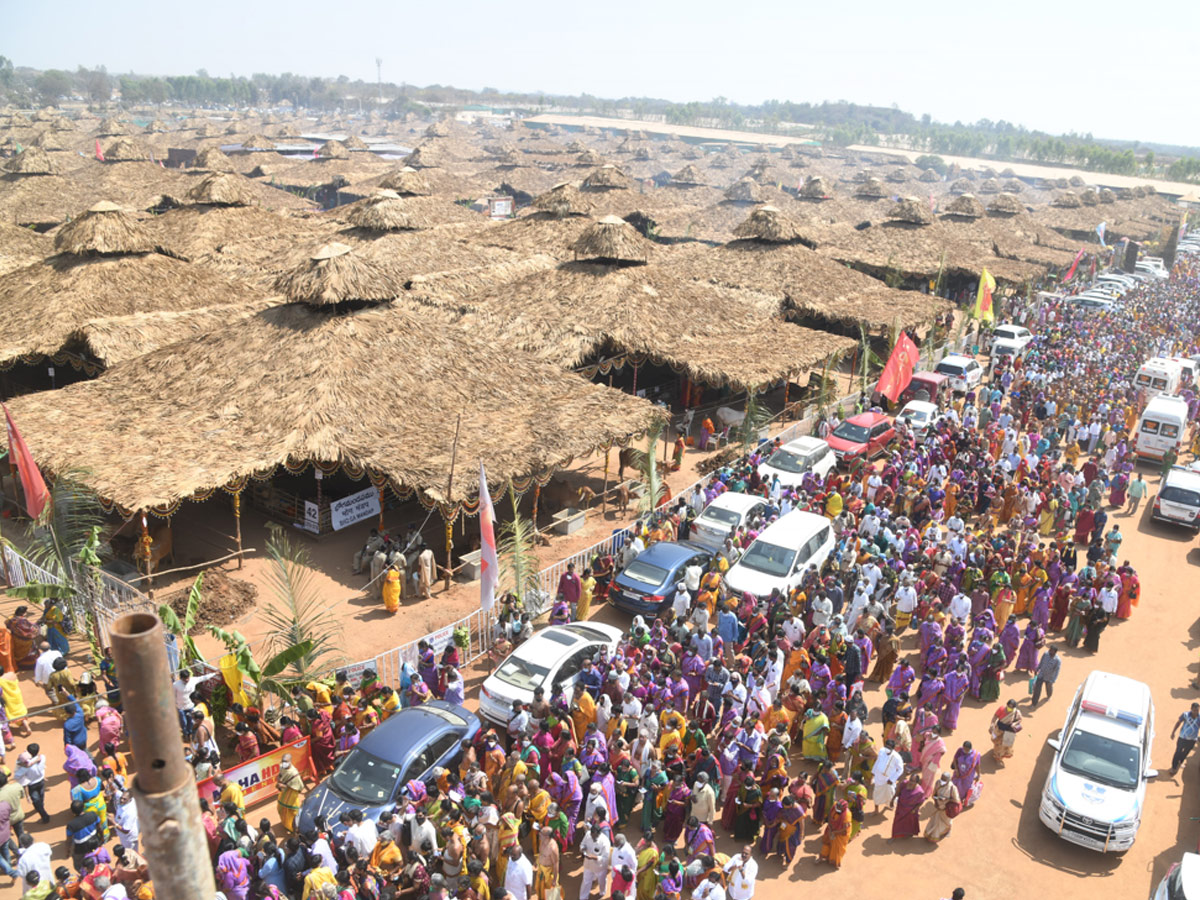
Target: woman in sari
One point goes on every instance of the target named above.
(1080, 608)
(56, 630)
(391, 590)
(1006, 723)
(24, 635)
(824, 784)
(933, 748)
(772, 819)
(698, 840)
(837, 835)
(989, 684)
(656, 781)
(233, 872)
(321, 741)
(791, 830)
(906, 822)
(965, 769)
(946, 806)
(748, 818)
(676, 809)
(647, 866)
(816, 727)
(1131, 590)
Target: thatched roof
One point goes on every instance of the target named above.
(989, 186)
(20, 247)
(125, 149)
(333, 150)
(354, 142)
(929, 176)
(376, 390)
(385, 211)
(1067, 200)
(258, 142)
(871, 188)
(425, 156)
(816, 188)
(212, 159)
(607, 177)
(1005, 204)
(1076, 181)
(406, 180)
(110, 126)
(769, 225)
(1013, 186)
(104, 230)
(910, 210)
(589, 158)
(961, 186)
(966, 206)
(688, 176)
(50, 140)
(897, 176)
(744, 191)
(158, 126)
(222, 189)
(562, 200)
(336, 274)
(1089, 197)
(32, 161)
(441, 128)
(612, 240)
(1107, 196)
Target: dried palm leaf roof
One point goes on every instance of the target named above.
(718, 335)
(438, 129)
(406, 180)
(104, 230)
(20, 247)
(158, 126)
(247, 242)
(535, 234)
(743, 191)
(110, 126)
(688, 176)
(212, 159)
(125, 149)
(1067, 200)
(50, 140)
(454, 289)
(610, 239)
(1013, 186)
(769, 225)
(1107, 196)
(336, 274)
(293, 384)
(564, 199)
(1005, 204)
(385, 211)
(910, 210)
(258, 142)
(897, 176)
(223, 189)
(989, 186)
(871, 188)
(816, 188)
(961, 186)
(1075, 181)
(1089, 197)
(966, 205)
(425, 156)
(32, 161)
(333, 150)
(589, 158)
(354, 142)
(929, 176)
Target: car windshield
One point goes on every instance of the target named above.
(848, 431)
(788, 461)
(361, 776)
(1102, 759)
(769, 558)
(950, 369)
(1173, 494)
(521, 673)
(914, 415)
(715, 515)
(645, 573)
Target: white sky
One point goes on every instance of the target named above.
(1118, 70)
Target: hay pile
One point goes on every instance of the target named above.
(769, 225)
(407, 182)
(910, 210)
(1005, 204)
(612, 240)
(606, 178)
(743, 191)
(966, 206)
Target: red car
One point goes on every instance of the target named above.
(865, 435)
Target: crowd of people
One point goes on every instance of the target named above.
(984, 547)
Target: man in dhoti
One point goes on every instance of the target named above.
(425, 573)
(889, 766)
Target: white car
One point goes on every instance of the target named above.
(780, 555)
(1178, 497)
(791, 461)
(963, 371)
(1096, 787)
(1154, 271)
(1088, 300)
(728, 511)
(1014, 334)
(1182, 882)
(551, 659)
(919, 416)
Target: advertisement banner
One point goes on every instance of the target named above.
(358, 506)
(257, 776)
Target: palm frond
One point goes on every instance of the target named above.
(518, 556)
(757, 417)
(298, 614)
(652, 484)
(68, 526)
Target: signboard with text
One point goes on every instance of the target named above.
(256, 777)
(358, 506)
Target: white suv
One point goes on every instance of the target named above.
(963, 371)
(1096, 786)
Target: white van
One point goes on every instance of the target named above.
(1161, 426)
(1182, 881)
(1188, 370)
(1159, 376)
(1178, 498)
(1096, 786)
(780, 555)
(728, 511)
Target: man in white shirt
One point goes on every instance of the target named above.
(704, 799)
(422, 830)
(44, 667)
(710, 889)
(518, 878)
(183, 685)
(742, 871)
(1108, 599)
(691, 578)
(597, 858)
(889, 766)
(906, 601)
(362, 834)
(35, 857)
(681, 602)
(851, 733)
(622, 854)
(595, 801)
(960, 606)
(822, 610)
(793, 629)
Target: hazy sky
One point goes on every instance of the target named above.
(1118, 70)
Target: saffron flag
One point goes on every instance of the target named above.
(488, 564)
(99, 152)
(899, 369)
(983, 298)
(36, 495)
(1071, 271)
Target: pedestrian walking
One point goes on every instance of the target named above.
(1188, 729)
(1047, 673)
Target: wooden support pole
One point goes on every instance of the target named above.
(537, 494)
(449, 494)
(164, 788)
(604, 496)
(449, 551)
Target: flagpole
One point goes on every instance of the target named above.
(450, 522)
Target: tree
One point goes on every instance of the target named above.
(652, 487)
(52, 85)
(182, 629)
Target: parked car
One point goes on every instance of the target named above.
(727, 512)
(1015, 335)
(1178, 498)
(929, 386)
(778, 558)
(919, 416)
(551, 659)
(1096, 787)
(1182, 881)
(963, 371)
(406, 747)
(864, 435)
(795, 458)
(646, 585)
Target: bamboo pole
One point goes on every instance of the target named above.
(237, 524)
(604, 496)
(165, 791)
(449, 488)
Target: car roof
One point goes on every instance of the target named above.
(935, 377)
(957, 359)
(1119, 706)
(920, 406)
(552, 644)
(392, 739)
(1182, 476)
(1165, 403)
(735, 501)
(795, 523)
(867, 418)
(670, 552)
(804, 443)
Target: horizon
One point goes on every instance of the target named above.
(665, 52)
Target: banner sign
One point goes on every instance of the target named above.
(256, 777)
(355, 508)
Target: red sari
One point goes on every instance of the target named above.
(322, 743)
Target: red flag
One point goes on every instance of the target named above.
(99, 152)
(1071, 271)
(36, 495)
(898, 372)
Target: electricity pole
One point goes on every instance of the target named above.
(379, 75)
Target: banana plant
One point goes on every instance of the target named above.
(183, 629)
(260, 680)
